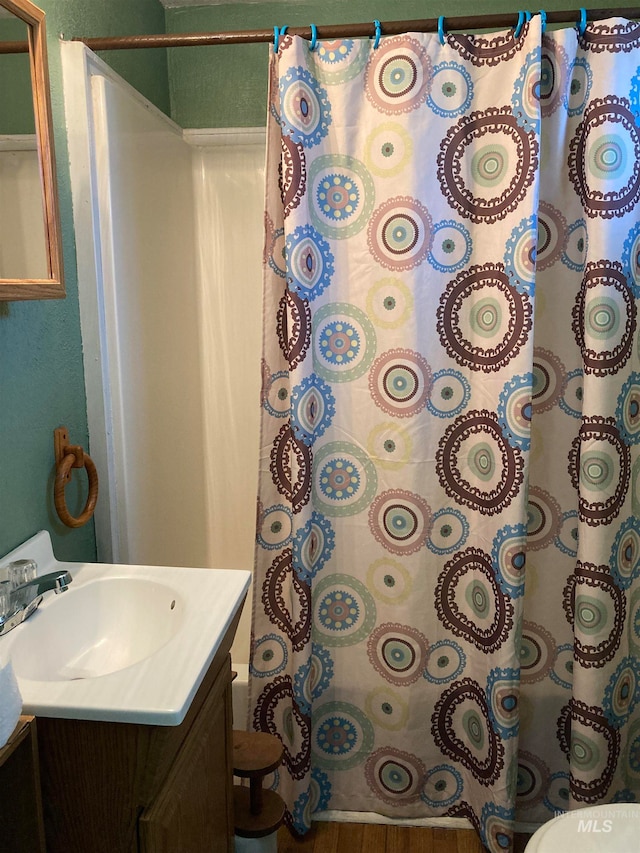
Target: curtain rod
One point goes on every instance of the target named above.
(494, 21)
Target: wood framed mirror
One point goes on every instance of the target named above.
(30, 239)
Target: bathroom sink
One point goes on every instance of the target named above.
(96, 628)
(123, 643)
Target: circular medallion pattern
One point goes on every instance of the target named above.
(618, 37)
(312, 409)
(628, 410)
(275, 394)
(631, 259)
(274, 248)
(525, 100)
(537, 653)
(594, 750)
(344, 479)
(573, 395)
(489, 49)
(399, 235)
(600, 470)
(622, 692)
(291, 468)
(520, 255)
(450, 393)
(552, 236)
(305, 109)
(341, 195)
(277, 714)
(312, 678)
(553, 75)
(398, 75)
(313, 546)
(399, 382)
(398, 653)
(269, 656)
(387, 708)
(567, 538)
(388, 149)
(508, 555)
(558, 793)
(389, 445)
(462, 730)
(449, 531)
(604, 318)
(443, 785)
(342, 736)
(451, 246)
(532, 781)
(394, 776)
(562, 672)
(514, 410)
(287, 601)
(292, 174)
(576, 246)
(486, 164)
(400, 521)
(475, 464)
(549, 380)
(274, 527)
(596, 607)
(451, 90)
(544, 517)
(309, 262)
(445, 661)
(389, 581)
(389, 303)
(576, 95)
(496, 829)
(293, 321)
(604, 158)
(344, 611)
(338, 60)
(483, 322)
(625, 553)
(470, 603)
(344, 342)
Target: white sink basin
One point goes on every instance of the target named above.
(98, 627)
(123, 643)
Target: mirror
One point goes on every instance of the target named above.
(30, 242)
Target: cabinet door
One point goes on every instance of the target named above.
(193, 813)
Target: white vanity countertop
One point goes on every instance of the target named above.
(159, 688)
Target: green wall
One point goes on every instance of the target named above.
(41, 374)
(226, 86)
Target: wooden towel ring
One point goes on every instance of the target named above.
(70, 456)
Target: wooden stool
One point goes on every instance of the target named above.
(257, 812)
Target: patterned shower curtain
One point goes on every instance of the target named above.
(446, 603)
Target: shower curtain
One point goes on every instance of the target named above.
(447, 604)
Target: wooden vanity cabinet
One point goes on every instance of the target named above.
(133, 788)
(21, 828)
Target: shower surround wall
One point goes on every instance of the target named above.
(169, 249)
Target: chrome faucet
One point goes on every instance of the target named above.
(25, 599)
(56, 581)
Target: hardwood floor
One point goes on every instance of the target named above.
(379, 838)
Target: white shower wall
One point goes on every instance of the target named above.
(169, 245)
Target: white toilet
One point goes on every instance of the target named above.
(598, 829)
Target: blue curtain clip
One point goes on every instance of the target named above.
(314, 37)
(378, 35)
(582, 23)
(277, 32)
(519, 25)
(543, 20)
(441, 32)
